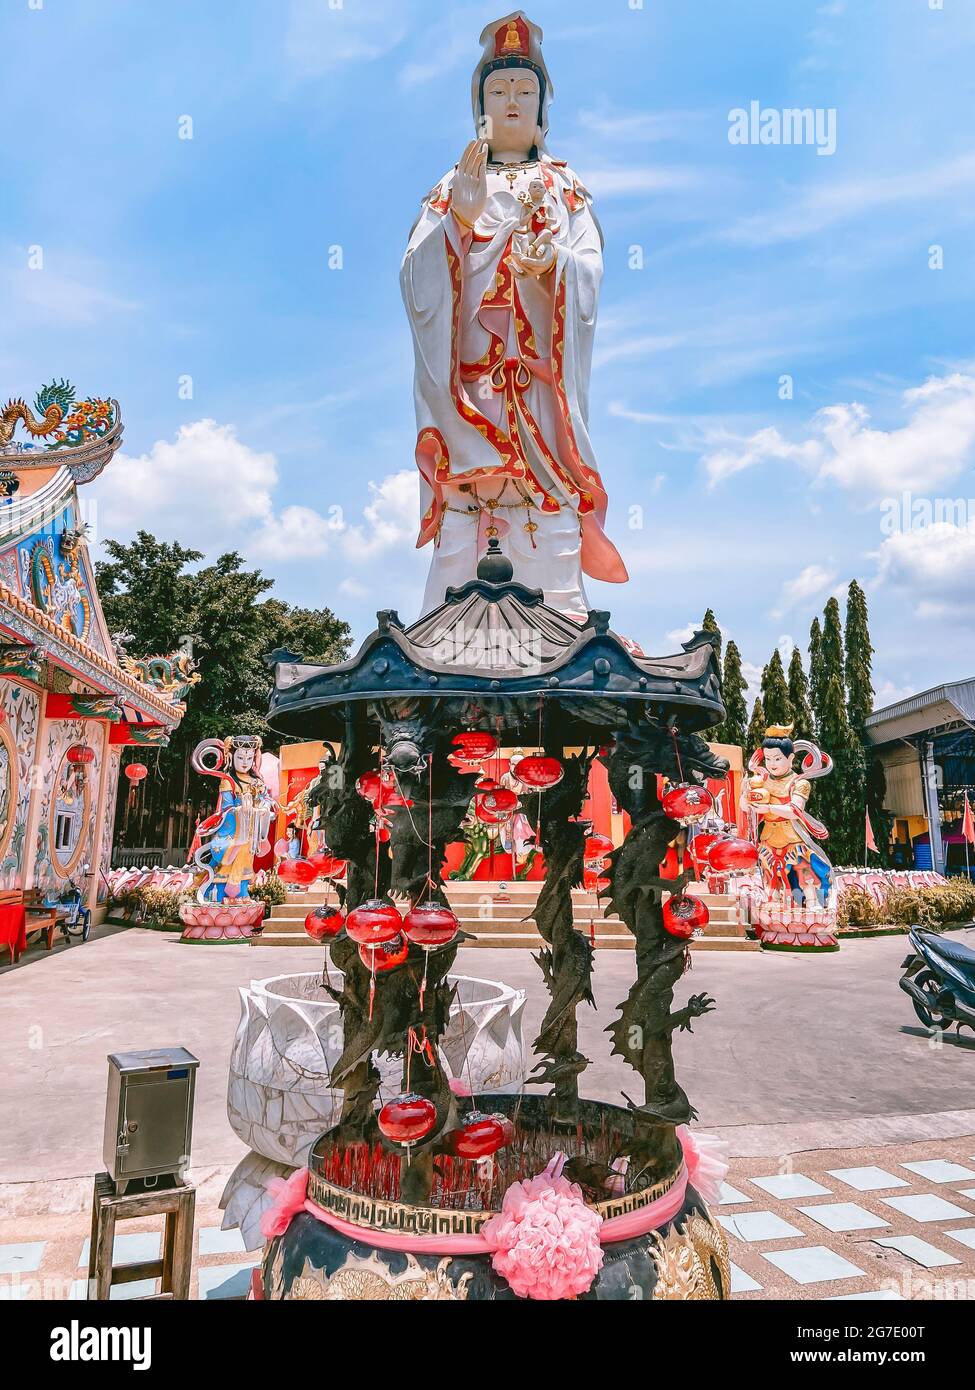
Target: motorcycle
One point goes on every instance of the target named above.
(940, 980)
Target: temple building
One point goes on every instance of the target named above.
(926, 743)
(71, 699)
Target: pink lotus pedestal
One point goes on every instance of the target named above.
(789, 928)
(215, 924)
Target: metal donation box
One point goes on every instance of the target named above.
(149, 1115)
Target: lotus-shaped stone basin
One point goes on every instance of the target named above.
(279, 1096)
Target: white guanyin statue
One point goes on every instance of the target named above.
(501, 281)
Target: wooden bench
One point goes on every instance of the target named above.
(39, 918)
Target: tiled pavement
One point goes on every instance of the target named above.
(896, 1222)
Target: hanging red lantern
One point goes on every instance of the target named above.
(593, 882)
(486, 784)
(407, 1118)
(431, 925)
(80, 753)
(687, 802)
(136, 771)
(499, 801)
(473, 746)
(305, 871)
(373, 922)
(288, 871)
(700, 845)
(539, 772)
(479, 1136)
(324, 923)
(387, 955)
(725, 856)
(684, 916)
(380, 790)
(326, 865)
(596, 849)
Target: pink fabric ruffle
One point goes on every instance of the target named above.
(289, 1198)
(545, 1240)
(706, 1158)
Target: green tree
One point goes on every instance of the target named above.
(871, 783)
(756, 729)
(775, 692)
(734, 688)
(709, 623)
(859, 653)
(839, 800)
(799, 697)
(817, 678)
(149, 590)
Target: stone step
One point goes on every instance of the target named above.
(532, 941)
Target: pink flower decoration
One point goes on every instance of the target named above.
(545, 1239)
(458, 1086)
(289, 1199)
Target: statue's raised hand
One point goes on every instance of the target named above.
(469, 190)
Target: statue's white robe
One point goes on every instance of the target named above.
(501, 388)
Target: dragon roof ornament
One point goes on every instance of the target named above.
(81, 434)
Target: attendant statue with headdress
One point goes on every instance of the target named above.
(800, 904)
(501, 281)
(230, 839)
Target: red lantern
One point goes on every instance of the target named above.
(499, 802)
(373, 922)
(486, 784)
(478, 1136)
(324, 923)
(596, 848)
(700, 845)
(539, 773)
(684, 916)
(326, 865)
(81, 753)
(687, 802)
(473, 746)
(726, 855)
(136, 771)
(407, 1118)
(387, 955)
(380, 790)
(430, 925)
(305, 871)
(593, 882)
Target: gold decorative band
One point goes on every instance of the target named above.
(377, 1215)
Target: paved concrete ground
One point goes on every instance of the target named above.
(798, 1053)
(808, 1066)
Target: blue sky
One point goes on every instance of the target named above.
(318, 125)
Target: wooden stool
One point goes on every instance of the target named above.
(177, 1203)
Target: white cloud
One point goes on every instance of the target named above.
(616, 183)
(807, 584)
(211, 491)
(321, 37)
(641, 126)
(932, 446)
(815, 209)
(934, 568)
(764, 445)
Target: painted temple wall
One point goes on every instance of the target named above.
(33, 758)
(20, 706)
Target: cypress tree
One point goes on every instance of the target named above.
(859, 689)
(756, 729)
(734, 686)
(835, 796)
(817, 682)
(799, 697)
(775, 692)
(871, 786)
(709, 623)
(833, 646)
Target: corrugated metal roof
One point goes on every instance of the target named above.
(952, 702)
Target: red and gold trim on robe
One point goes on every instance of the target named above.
(513, 376)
